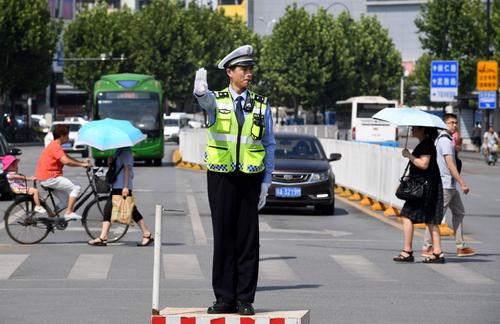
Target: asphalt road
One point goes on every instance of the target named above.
(340, 267)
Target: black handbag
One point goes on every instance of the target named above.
(411, 188)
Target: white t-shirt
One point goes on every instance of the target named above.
(444, 146)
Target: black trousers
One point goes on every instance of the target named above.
(136, 215)
(233, 199)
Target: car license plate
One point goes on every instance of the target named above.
(288, 192)
(66, 145)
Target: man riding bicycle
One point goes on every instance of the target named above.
(50, 171)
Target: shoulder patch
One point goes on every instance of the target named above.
(259, 98)
(221, 94)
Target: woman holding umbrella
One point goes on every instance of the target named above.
(429, 210)
(122, 186)
(109, 134)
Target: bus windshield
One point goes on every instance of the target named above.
(141, 108)
(367, 110)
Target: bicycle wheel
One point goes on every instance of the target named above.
(92, 221)
(22, 223)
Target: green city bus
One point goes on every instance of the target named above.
(137, 98)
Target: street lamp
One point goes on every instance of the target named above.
(329, 6)
(267, 23)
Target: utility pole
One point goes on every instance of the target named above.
(488, 52)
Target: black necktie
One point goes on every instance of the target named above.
(239, 111)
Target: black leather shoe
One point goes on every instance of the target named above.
(245, 308)
(222, 308)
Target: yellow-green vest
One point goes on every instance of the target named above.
(230, 148)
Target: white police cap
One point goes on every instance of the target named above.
(241, 56)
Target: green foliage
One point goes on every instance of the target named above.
(314, 61)
(495, 25)
(95, 32)
(28, 38)
(214, 36)
(454, 30)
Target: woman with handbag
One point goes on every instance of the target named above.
(429, 208)
(123, 185)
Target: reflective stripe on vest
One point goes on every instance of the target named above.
(221, 151)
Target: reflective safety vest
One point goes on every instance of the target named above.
(231, 147)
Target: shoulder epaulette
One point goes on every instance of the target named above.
(259, 98)
(221, 94)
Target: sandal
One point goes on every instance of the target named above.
(98, 242)
(149, 241)
(434, 258)
(404, 258)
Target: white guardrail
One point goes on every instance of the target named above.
(369, 169)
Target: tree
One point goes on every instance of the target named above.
(495, 23)
(165, 46)
(287, 63)
(92, 33)
(454, 30)
(377, 63)
(28, 38)
(215, 35)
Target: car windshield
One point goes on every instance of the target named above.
(142, 109)
(298, 148)
(171, 122)
(72, 127)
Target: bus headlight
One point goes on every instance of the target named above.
(318, 177)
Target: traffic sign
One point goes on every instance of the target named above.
(444, 81)
(487, 76)
(487, 100)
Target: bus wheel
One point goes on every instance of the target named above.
(148, 161)
(157, 162)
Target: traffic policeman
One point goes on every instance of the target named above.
(240, 159)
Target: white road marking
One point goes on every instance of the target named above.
(182, 266)
(91, 266)
(272, 268)
(460, 274)
(264, 227)
(9, 263)
(200, 238)
(361, 267)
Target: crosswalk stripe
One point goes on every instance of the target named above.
(182, 267)
(361, 266)
(9, 264)
(272, 267)
(91, 266)
(460, 274)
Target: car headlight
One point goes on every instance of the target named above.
(317, 177)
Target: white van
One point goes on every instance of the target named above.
(172, 125)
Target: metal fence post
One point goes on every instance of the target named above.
(157, 260)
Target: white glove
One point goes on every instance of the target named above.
(263, 194)
(200, 82)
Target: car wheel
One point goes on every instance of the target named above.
(157, 162)
(325, 209)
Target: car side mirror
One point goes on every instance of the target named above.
(335, 157)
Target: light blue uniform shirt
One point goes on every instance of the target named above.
(125, 158)
(208, 103)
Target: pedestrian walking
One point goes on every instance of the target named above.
(428, 210)
(123, 186)
(450, 176)
(240, 160)
(476, 136)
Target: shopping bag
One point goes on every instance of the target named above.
(122, 209)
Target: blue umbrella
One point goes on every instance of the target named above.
(410, 117)
(109, 133)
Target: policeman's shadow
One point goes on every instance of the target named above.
(270, 288)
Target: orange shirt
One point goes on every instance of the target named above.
(49, 164)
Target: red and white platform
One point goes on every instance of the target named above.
(172, 315)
